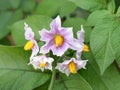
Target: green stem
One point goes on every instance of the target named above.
(52, 79)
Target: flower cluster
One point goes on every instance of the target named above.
(58, 40)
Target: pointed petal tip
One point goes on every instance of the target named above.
(82, 29)
(81, 26)
(58, 16)
(25, 23)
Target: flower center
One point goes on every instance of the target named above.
(43, 65)
(58, 40)
(72, 67)
(29, 45)
(86, 48)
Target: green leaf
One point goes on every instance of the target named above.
(115, 41)
(4, 17)
(110, 80)
(7, 19)
(90, 5)
(67, 8)
(14, 3)
(43, 87)
(118, 12)
(36, 22)
(9, 4)
(73, 82)
(49, 7)
(95, 16)
(4, 4)
(76, 24)
(17, 15)
(15, 71)
(101, 41)
(111, 6)
(27, 5)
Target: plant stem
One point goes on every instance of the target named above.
(52, 79)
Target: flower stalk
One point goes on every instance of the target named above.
(52, 79)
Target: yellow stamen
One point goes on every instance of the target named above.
(29, 45)
(58, 40)
(86, 48)
(43, 65)
(72, 67)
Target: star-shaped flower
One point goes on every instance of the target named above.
(71, 66)
(42, 62)
(58, 39)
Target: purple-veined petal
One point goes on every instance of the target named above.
(80, 34)
(35, 49)
(66, 62)
(49, 61)
(76, 45)
(81, 64)
(42, 59)
(67, 33)
(46, 48)
(59, 51)
(55, 24)
(78, 55)
(35, 62)
(29, 34)
(63, 68)
(46, 35)
(48, 66)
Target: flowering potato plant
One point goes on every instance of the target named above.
(59, 45)
(58, 40)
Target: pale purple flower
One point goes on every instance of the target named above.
(71, 66)
(78, 44)
(58, 39)
(42, 62)
(80, 34)
(29, 35)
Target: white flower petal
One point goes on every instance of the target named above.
(80, 34)
(77, 45)
(64, 66)
(48, 66)
(29, 34)
(35, 50)
(78, 55)
(42, 69)
(55, 24)
(81, 64)
(37, 60)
